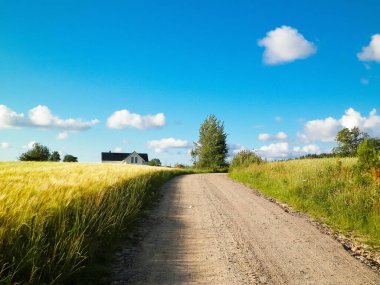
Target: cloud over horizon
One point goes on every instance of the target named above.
(325, 130)
(123, 118)
(168, 143)
(283, 150)
(41, 117)
(372, 51)
(285, 44)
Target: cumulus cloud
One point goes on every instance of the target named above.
(123, 118)
(283, 150)
(285, 44)
(372, 51)
(320, 130)
(168, 143)
(30, 145)
(62, 136)
(275, 150)
(307, 149)
(5, 145)
(234, 149)
(41, 117)
(326, 129)
(280, 136)
(9, 118)
(118, 149)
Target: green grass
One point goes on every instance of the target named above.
(55, 217)
(327, 189)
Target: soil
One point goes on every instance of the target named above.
(208, 229)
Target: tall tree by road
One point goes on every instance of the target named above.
(211, 149)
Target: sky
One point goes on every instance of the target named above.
(82, 77)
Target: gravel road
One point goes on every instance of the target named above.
(208, 229)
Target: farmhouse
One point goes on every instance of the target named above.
(129, 158)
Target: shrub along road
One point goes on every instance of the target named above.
(208, 229)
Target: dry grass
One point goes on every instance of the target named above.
(53, 214)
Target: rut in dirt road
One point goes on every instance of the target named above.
(208, 229)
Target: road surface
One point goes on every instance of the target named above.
(208, 229)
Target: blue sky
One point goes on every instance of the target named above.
(284, 76)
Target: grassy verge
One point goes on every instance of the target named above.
(327, 189)
(56, 217)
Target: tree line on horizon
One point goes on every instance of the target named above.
(39, 152)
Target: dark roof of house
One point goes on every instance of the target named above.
(119, 156)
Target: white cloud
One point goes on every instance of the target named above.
(283, 150)
(234, 149)
(280, 136)
(5, 145)
(167, 143)
(285, 44)
(372, 51)
(42, 117)
(118, 149)
(307, 149)
(30, 145)
(325, 130)
(123, 118)
(275, 150)
(62, 136)
(9, 118)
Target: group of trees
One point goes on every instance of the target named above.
(353, 142)
(211, 150)
(40, 152)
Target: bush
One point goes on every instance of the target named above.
(154, 162)
(368, 155)
(70, 158)
(245, 158)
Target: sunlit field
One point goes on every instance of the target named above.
(53, 215)
(329, 189)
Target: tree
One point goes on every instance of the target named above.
(70, 158)
(211, 149)
(368, 154)
(37, 153)
(348, 141)
(55, 156)
(154, 162)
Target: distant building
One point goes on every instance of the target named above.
(127, 158)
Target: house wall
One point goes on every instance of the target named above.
(131, 159)
(117, 162)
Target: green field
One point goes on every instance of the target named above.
(54, 217)
(328, 189)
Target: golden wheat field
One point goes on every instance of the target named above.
(53, 214)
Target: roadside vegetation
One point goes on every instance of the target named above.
(342, 191)
(210, 152)
(56, 217)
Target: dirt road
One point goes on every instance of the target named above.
(208, 229)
